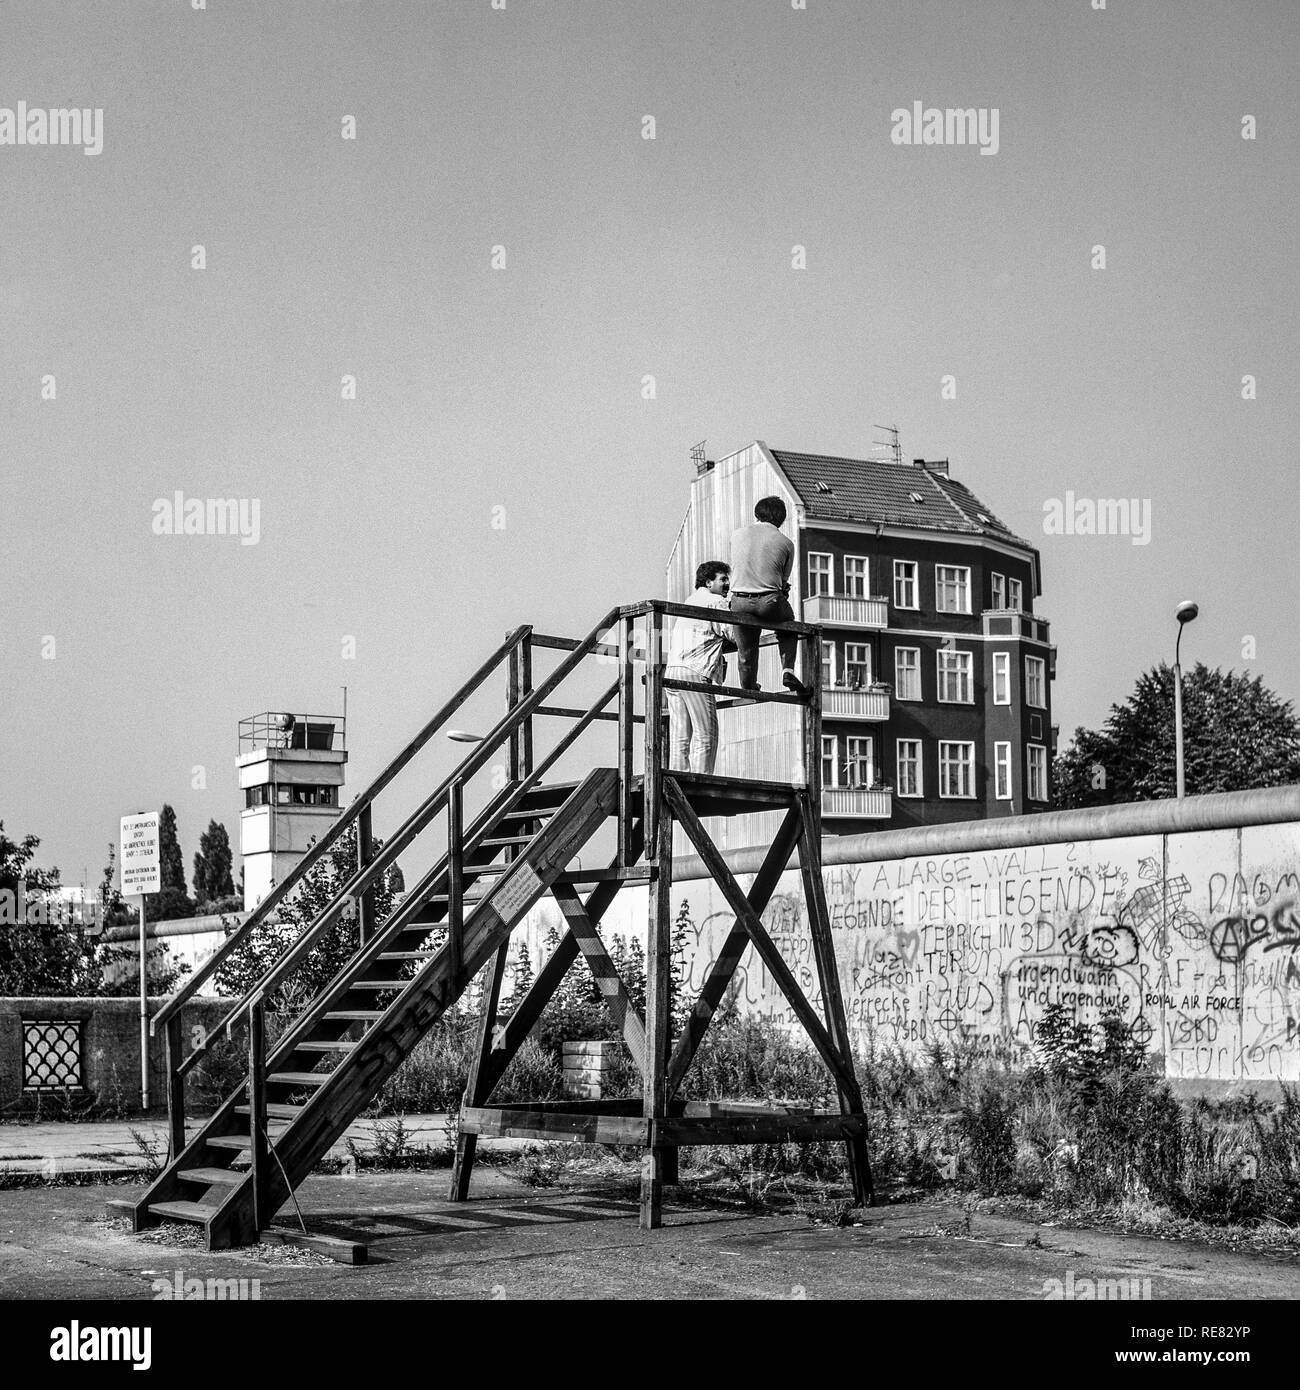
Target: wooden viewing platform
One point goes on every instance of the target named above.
(498, 858)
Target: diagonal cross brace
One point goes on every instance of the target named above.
(612, 991)
(763, 943)
(733, 949)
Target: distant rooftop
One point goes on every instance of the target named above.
(869, 491)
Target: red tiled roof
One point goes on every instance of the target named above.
(868, 491)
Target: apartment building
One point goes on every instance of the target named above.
(936, 670)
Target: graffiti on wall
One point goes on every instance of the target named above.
(1191, 940)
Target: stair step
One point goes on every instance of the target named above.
(340, 1046)
(506, 840)
(229, 1141)
(195, 1212)
(407, 955)
(277, 1108)
(210, 1177)
(300, 1078)
(379, 984)
(367, 1015)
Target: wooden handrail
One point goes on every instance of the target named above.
(331, 837)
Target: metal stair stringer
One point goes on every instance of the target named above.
(421, 1001)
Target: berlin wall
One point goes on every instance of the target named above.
(1191, 937)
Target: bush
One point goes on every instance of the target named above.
(987, 1127)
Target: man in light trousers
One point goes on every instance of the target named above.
(696, 653)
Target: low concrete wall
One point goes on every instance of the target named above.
(96, 1041)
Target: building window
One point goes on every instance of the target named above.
(954, 677)
(1002, 771)
(857, 665)
(956, 769)
(860, 765)
(999, 591)
(905, 584)
(1015, 595)
(855, 576)
(819, 573)
(1001, 678)
(830, 762)
(257, 796)
(1037, 763)
(1036, 681)
(828, 664)
(952, 588)
(907, 673)
(909, 767)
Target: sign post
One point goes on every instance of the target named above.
(141, 874)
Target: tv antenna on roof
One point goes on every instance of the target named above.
(891, 445)
(697, 455)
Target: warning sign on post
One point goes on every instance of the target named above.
(141, 859)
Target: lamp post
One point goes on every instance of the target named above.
(1185, 612)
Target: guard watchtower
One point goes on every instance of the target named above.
(291, 774)
(498, 850)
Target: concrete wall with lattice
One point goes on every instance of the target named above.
(83, 1053)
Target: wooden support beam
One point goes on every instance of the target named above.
(502, 1122)
(733, 949)
(588, 1125)
(763, 943)
(344, 1252)
(773, 1128)
(509, 1036)
(626, 743)
(850, 1095)
(365, 853)
(258, 1143)
(654, 1092)
(613, 994)
(175, 1088)
(480, 1071)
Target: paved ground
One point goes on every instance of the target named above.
(112, 1147)
(517, 1242)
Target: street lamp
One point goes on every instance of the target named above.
(1185, 612)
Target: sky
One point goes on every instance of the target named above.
(501, 463)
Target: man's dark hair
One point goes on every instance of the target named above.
(709, 571)
(770, 509)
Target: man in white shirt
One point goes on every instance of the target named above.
(696, 653)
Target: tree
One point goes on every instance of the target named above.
(48, 947)
(678, 1004)
(269, 941)
(212, 880)
(1238, 734)
(173, 900)
(523, 971)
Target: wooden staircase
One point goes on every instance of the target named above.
(244, 1162)
(323, 1073)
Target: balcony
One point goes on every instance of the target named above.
(866, 803)
(866, 702)
(1011, 622)
(842, 611)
